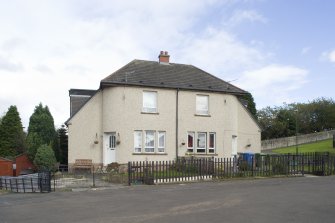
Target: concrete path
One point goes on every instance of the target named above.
(300, 199)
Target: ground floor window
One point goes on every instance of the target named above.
(138, 141)
(205, 142)
(152, 142)
(190, 142)
(161, 142)
(201, 142)
(211, 146)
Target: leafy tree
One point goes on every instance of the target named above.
(45, 158)
(303, 118)
(41, 129)
(12, 137)
(63, 144)
(251, 103)
(34, 141)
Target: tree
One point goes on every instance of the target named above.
(301, 118)
(251, 104)
(45, 158)
(12, 137)
(63, 144)
(41, 129)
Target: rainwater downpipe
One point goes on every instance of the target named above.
(177, 102)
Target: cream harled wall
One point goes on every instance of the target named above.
(84, 129)
(119, 110)
(249, 139)
(122, 112)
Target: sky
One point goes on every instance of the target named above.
(281, 51)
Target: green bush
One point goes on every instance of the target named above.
(45, 158)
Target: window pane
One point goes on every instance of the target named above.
(161, 139)
(161, 142)
(149, 141)
(149, 101)
(211, 143)
(111, 140)
(190, 142)
(211, 140)
(138, 141)
(202, 104)
(201, 140)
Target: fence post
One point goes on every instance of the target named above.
(129, 173)
(303, 164)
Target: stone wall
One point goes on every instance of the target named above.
(291, 141)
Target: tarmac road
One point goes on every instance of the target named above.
(300, 199)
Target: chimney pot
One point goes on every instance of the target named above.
(164, 57)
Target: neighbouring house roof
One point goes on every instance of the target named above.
(5, 159)
(78, 98)
(168, 75)
(81, 92)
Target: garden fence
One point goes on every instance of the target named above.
(195, 169)
(38, 182)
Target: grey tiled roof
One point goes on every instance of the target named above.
(172, 75)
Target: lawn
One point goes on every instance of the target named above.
(321, 146)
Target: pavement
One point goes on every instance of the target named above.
(296, 199)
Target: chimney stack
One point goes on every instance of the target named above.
(164, 57)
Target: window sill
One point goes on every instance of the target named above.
(150, 113)
(202, 115)
(202, 154)
(148, 154)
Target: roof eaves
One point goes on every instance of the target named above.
(249, 113)
(116, 83)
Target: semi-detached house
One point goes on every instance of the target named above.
(157, 110)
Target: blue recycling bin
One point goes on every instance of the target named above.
(249, 157)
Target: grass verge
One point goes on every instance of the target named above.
(320, 146)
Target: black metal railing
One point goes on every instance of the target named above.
(38, 182)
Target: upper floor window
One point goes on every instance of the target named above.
(149, 101)
(202, 104)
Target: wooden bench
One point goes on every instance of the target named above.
(83, 164)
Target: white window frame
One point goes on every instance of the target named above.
(190, 149)
(138, 148)
(200, 109)
(198, 142)
(161, 148)
(145, 106)
(209, 143)
(149, 149)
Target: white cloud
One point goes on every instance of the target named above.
(241, 16)
(331, 56)
(328, 56)
(273, 84)
(53, 46)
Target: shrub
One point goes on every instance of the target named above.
(45, 158)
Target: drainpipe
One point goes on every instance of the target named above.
(177, 100)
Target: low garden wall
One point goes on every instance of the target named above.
(291, 141)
